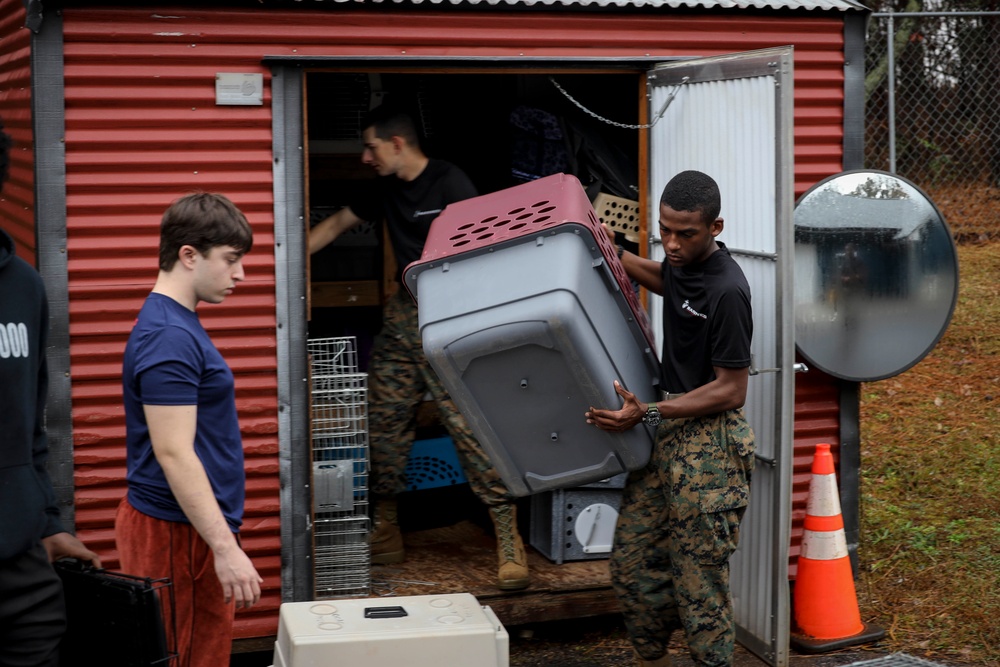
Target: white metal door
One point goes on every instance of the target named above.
(731, 117)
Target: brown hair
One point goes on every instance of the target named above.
(389, 121)
(204, 221)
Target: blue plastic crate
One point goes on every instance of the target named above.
(433, 463)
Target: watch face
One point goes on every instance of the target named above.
(652, 416)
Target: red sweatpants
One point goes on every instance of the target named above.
(160, 549)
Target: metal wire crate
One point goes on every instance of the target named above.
(896, 660)
(341, 557)
(332, 356)
(339, 448)
(340, 406)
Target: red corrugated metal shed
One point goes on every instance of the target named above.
(17, 201)
(817, 420)
(142, 128)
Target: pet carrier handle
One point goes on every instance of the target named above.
(385, 612)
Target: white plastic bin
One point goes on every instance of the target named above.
(416, 631)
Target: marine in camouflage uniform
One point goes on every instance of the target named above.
(411, 192)
(398, 377)
(678, 526)
(680, 514)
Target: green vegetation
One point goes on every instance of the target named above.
(930, 485)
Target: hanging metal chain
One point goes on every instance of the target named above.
(644, 126)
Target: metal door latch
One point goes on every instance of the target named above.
(797, 368)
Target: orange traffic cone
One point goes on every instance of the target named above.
(826, 605)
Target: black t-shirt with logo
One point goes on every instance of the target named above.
(409, 207)
(707, 321)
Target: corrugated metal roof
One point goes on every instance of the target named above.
(835, 5)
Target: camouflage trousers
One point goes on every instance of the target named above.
(398, 379)
(678, 526)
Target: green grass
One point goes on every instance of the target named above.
(930, 485)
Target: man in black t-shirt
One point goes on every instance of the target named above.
(680, 515)
(411, 192)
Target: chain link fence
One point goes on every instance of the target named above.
(933, 111)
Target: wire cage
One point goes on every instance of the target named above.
(339, 448)
(332, 356)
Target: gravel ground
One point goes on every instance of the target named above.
(602, 642)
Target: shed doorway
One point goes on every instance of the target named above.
(501, 128)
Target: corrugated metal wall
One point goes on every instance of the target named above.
(817, 420)
(142, 128)
(17, 201)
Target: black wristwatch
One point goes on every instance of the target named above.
(652, 416)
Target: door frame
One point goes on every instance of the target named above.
(288, 90)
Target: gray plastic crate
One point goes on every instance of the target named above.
(574, 524)
(529, 332)
(616, 482)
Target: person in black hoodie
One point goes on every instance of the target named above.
(32, 610)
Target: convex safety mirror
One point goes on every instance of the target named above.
(876, 275)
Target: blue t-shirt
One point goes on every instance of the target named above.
(170, 360)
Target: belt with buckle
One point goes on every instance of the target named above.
(669, 396)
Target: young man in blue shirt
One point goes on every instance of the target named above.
(186, 480)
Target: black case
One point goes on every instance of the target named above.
(113, 618)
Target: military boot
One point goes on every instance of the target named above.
(512, 574)
(662, 661)
(385, 540)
